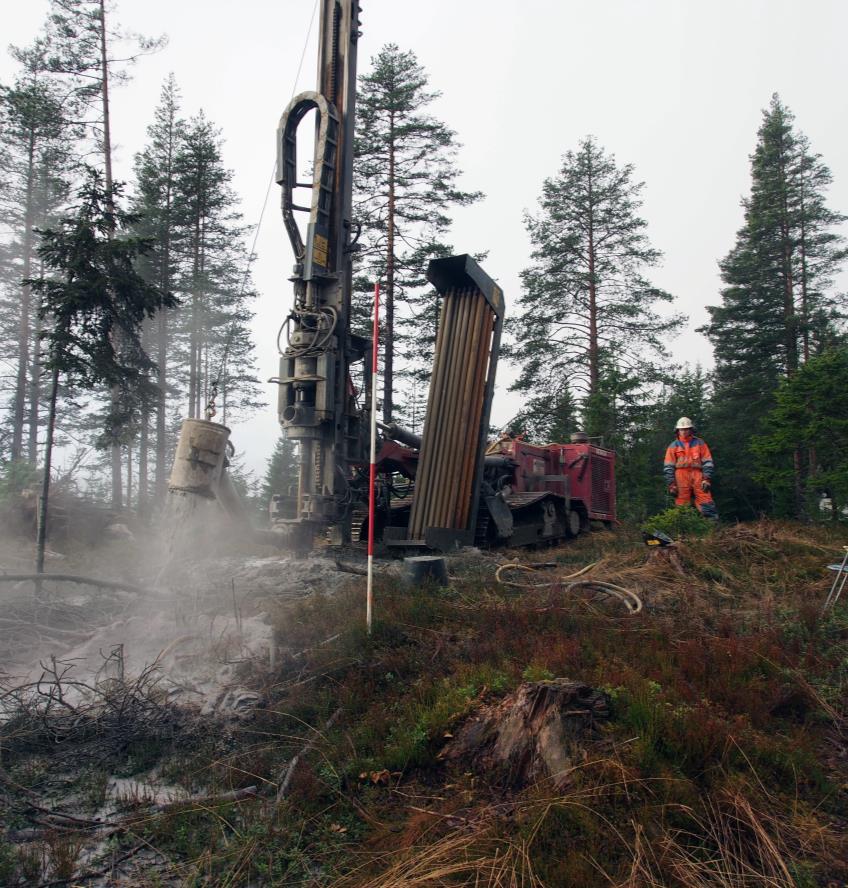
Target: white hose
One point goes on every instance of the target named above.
(627, 597)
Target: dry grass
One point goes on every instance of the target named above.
(723, 764)
(457, 859)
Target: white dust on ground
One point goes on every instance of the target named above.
(204, 624)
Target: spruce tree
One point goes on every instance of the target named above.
(777, 306)
(81, 40)
(405, 185)
(91, 292)
(811, 409)
(586, 307)
(547, 418)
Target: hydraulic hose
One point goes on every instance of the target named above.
(631, 601)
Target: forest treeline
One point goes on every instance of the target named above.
(55, 124)
(588, 335)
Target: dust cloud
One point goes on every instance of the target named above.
(195, 606)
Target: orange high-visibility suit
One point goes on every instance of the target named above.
(689, 467)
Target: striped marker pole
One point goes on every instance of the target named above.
(372, 475)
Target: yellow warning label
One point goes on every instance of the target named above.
(320, 248)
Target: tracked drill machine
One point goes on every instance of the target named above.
(443, 489)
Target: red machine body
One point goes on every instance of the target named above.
(531, 493)
(581, 472)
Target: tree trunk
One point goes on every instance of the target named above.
(34, 398)
(161, 484)
(594, 358)
(192, 360)
(129, 476)
(389, 302)
(790, 318)
(25, 309)
(161, 404)
(143, 461)
(194, 333)
(203, 334)
(204, 401)
(35, 386)
(143, 436)
(104, 93)
(115, 448)
(41, 538)
(805, 318)
(539, 732)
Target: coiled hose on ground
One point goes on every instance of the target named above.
(631, 601)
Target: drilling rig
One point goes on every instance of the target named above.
(438, 491)
(316, 402)
(455, 494)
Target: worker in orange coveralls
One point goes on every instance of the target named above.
(688, 469)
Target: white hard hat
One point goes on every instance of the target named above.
(685, 423)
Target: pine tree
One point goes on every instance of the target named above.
(156, 192)
(621, 415)
(36, 136)
(586, 308)
(213, 341)
(777, 305)
(405, 184)
(819, 254)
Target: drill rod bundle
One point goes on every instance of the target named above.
(459, 399)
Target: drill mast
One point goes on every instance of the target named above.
(316, 402)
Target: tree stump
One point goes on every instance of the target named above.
(538, 732)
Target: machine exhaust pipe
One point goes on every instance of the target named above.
(395, 432)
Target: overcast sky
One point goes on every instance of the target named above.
(674, 87)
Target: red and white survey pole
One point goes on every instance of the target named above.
(372, 475)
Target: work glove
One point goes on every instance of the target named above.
(672, 489)
(705, 485)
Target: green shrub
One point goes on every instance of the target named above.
(680, 523)
(537, 673)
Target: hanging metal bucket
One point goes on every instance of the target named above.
(199, 461)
